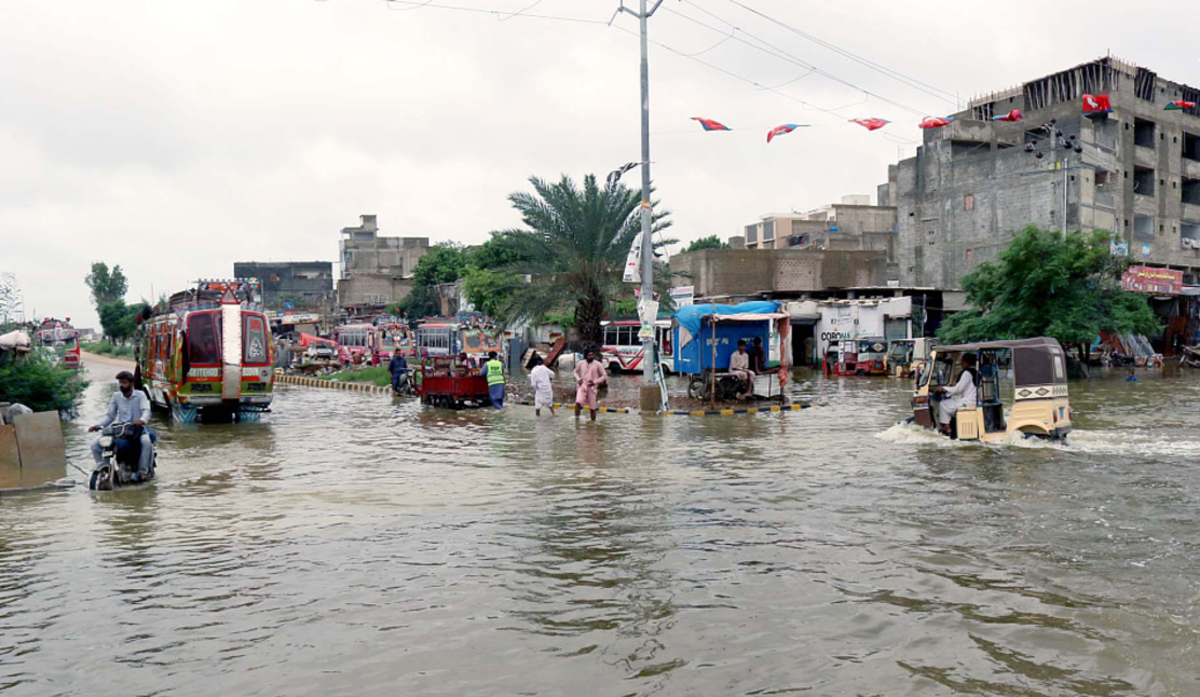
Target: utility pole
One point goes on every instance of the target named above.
(650, 389)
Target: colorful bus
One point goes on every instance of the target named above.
(622, 350)
(59, 337)
(356, 344)
(207, 355)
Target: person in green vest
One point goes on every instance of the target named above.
(494, 371)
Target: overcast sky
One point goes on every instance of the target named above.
(176, 138)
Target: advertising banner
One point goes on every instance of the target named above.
(1144, 279)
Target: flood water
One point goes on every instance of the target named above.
(352, 545)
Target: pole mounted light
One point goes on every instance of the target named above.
(650, 388)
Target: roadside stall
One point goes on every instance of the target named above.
(705, 336)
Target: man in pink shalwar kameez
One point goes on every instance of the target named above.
(589, 376)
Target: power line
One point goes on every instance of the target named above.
(499, 14)
(883, 69)
(777, 52)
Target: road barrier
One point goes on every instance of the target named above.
(332, 384)
(376, 389)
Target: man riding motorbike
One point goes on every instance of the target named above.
(398, 369)
(129, 406)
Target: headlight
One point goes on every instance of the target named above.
(106, 441)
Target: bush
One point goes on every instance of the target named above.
(105, 348)
(41, 384)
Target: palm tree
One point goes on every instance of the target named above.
(574, 252)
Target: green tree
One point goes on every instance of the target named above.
(710, 242)
(118, 320)
(574, 250)
(422, 301)
(106, 286)
(445, 263)
(40, 383)
(1044, 285)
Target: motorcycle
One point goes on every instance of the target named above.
(113, 470)
(405, 388)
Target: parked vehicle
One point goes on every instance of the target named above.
(59, 340)
(445, 381)
(356, 344)
(907, 357)
(871, 356)
(1039, 404)
(707, 335)
(208, 354)
(118, 466)
(622, 351)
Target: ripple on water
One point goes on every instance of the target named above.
(361, 546)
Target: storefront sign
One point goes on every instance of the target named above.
(1143, 279)
(683, 295)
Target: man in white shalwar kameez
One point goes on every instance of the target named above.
(961, 395)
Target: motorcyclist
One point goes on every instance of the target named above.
(129, 406)
(398, 369)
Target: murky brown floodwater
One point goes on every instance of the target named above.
(351, 546)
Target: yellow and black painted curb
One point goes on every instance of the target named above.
(303, 381)
(600, 410)
(332, 384)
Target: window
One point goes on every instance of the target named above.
(769, 230)
(1191, 191)
(1143, 228)
(254, 340)
(752, 233)
(204, 339)
(1191, 147)
(1143, 181)
(1143, 133)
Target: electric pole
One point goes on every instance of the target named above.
(650, 388)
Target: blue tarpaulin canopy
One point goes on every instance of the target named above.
(689, 317)
(726, 324)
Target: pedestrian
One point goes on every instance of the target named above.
(589, 376)
(494, 370)
(543, 390)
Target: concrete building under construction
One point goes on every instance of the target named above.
(1134, 170)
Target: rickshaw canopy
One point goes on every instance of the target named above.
(1038, 361)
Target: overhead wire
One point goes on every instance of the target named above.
(883, 69)
(430, 4)
(773, 50)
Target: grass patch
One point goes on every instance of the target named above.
(376, 376)
(105, 348)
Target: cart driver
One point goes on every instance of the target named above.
(133, 407)
(962, 394)
(739, 367)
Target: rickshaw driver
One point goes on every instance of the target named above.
(962, 394)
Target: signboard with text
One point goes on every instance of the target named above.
(1144, 279)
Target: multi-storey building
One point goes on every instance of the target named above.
(1134, 170)
(376, 271)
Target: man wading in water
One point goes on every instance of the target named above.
(589, 375)
(494, 370)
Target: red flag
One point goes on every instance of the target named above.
(710, 125)
(936, 122)
(780, 130)
(1096, 104)
(1179, 105)
(1014, 115)
(871, 124)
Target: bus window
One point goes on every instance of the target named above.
(204, 339)
(254, 346)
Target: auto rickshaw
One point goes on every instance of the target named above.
(1038, 406)
(871, 357)
(907, 357)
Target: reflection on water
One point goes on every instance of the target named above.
(352, 545)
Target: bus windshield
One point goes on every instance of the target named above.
(204, 339)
